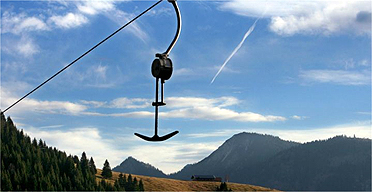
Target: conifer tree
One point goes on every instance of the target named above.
(84, 164)
(223, 187)
(106, 171)
(140, 186)
(92, 166)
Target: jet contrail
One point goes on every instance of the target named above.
(237, 48)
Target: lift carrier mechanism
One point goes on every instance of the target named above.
(162, 69)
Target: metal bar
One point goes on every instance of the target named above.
(156, 106)
(162, 91)
(179, 26)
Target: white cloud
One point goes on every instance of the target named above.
(161, 11)
(213, 109)
(32, 105)
(95, 104)
(70, 20)
(20, 47)
(364, 63)
(18, 23)
(26, 47)
(359, 129)
(95, 7)
(78, 140)
(289, 17)
(183, 72)
(182, 102)
(121, 18)
(93, 76)
(191, 108)
(296, 117)
(109, 10)
(216, 113)
(342, 77)
(133, 103)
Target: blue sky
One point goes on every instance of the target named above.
(304, 73)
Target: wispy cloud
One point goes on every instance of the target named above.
(95, 7)
(94, 76)
(216, 113)
(78, 140)
(120, 17)
(342, 77)
(236, 49)
(22, 47)
(134, 103)
(297, 117)
(34, 105)
(18, 23)
(211, 109)
(69, 15)
(359, 129)
(290, 17)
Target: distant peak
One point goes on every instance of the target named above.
(131, 158)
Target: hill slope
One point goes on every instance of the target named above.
(29, 165)
(133, 166)
(163, 184)
(242, 151)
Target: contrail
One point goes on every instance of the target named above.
(237, 48)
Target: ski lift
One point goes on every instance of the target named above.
(161, 69)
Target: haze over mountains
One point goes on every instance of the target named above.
(339, 163)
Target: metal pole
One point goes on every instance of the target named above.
(156, 106)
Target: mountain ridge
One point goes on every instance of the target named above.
(269, 161)
(247, 147)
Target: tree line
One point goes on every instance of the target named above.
(33, 166)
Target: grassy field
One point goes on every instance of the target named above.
(161, 184)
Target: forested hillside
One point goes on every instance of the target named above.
(33, 166)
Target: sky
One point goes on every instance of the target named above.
(303, 73)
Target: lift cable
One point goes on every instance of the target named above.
(91, 49)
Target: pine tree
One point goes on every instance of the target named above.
(84, 164)
(92, 166)
(140, 186)
(223, 187)
(106, 171)
(129, 184)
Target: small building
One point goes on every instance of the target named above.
(206, 178)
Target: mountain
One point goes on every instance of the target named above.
(133, 166)
(340, 163)
(240, 152)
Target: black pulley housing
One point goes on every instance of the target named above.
(162, 68)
